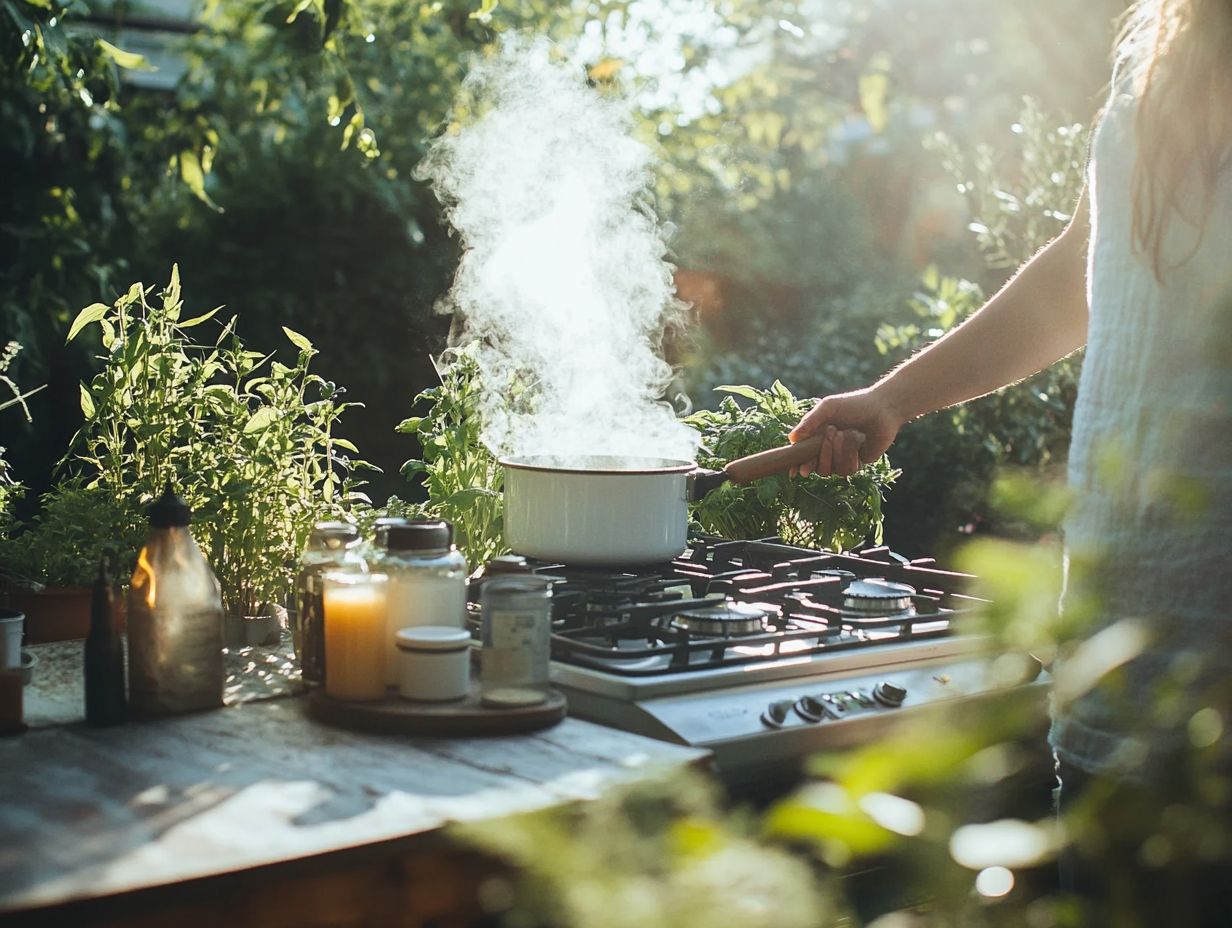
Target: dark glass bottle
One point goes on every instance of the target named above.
(106, 701)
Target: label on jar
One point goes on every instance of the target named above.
(515, 649)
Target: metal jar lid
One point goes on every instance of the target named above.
(518, 583)
(329, 536)
(420, 535)
(432, 638)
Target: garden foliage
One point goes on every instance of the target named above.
(461, 474)
(837, 513)
(248, 441)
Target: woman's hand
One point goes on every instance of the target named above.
(858, 428)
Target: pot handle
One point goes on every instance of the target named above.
(776, 460)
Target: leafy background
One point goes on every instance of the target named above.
(792, 161)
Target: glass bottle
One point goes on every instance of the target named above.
(427, 581)
(517, 628)
(174, 619)
(332, 546)
(106, 701)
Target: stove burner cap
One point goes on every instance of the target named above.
(878, 597)
(723, 620)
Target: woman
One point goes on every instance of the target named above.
(1142, 276)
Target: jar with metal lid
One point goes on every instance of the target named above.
(517, 627)
(427, 580)
(332, 546)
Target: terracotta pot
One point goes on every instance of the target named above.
(59, 613)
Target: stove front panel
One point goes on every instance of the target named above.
(763, 731)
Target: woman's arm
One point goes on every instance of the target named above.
(1037, 318)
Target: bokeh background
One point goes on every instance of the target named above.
(846, 178)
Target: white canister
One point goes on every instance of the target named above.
(434, 663)
(11, 622)
(427, 581)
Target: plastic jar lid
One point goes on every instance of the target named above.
(420, 535)
(432, 638)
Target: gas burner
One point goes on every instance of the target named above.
(722, 621)
(879, 597)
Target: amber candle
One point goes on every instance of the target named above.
(354, 607)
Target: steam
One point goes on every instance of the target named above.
(563, 287)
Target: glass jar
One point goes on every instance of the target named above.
(354, 610)
(332, 546)
(427, 580)
(517, 628)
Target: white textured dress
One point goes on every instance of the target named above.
(1151, 469)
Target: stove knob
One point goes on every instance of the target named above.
(776, 713)
(890, 695)
(810, 709)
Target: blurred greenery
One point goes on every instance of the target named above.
(279, 166)
(836, 513)
(942, 820)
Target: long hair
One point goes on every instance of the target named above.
(1178, 56)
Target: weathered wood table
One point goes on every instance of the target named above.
(256, 814)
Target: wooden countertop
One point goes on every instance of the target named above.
(88, 813)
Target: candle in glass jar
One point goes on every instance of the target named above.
(354, 635)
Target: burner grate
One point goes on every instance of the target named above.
(629, 623)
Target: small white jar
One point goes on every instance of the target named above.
(434, 663)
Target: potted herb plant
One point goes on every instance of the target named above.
(50, 563)
(247, 440)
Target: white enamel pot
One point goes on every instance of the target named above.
(592, 510)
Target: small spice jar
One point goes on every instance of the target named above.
(517, 628)
(434, 663)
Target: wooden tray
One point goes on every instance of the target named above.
(395, 715)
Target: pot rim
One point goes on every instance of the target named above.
(599, 464)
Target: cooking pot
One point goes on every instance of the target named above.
(594, 510)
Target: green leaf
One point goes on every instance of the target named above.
(194, 177)
(874, 96)
(413, 467)
(299, 8)
(197, 320)
(298, 340)
(409, 426)
(87, 402)
(486, 7)
(468, 497)
(749, 393)
(768, 490)
(173, 286)
(345, 445)
(92, 313)
(130, 61)
(261, 419)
